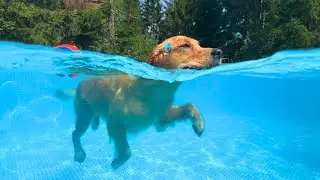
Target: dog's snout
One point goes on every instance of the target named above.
(217, 53)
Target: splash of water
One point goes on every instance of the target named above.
(38, 58)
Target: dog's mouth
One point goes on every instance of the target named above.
(198, 66)
(193, 67)
(190, 67)
(216, 60)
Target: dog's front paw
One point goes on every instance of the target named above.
(80, 156)
(198, 127)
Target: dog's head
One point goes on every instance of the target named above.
(184, 52)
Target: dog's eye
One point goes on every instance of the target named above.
(185, 45)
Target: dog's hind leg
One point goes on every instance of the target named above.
(180, 113)
(117, 132)
(95, 123)
(84, 117)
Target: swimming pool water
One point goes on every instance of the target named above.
(262, 119)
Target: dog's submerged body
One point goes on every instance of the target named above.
(136, 102)
(130, 104)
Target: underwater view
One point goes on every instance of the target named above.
(132, 90)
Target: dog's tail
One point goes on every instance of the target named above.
(65, 94)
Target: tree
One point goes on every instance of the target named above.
(207, 23)
(152, 18)
(178, 17)
(47, 4)
(128, 28)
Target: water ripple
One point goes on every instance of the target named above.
(24, 57)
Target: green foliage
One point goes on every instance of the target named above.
(31, 24)
(294, 35)
(93, 30)
(133, 27)
(40, 22)
(46, 4)
(178, 17)
(138, 50)
(266, 26)
(152, 18)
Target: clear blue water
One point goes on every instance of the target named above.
(262, 118)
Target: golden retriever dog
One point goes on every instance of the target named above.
(130, 104)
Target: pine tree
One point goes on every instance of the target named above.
(130, 22)
(152, 18)
(47, 4)
(208, 23)
(179, 17)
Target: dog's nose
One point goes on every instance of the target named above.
(217, 53)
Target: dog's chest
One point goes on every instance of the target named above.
(140, 102)
(139, 107)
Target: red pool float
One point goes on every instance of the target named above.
(68, 47)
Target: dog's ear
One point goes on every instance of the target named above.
(156, 57)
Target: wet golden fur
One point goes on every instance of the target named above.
(130, 104)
